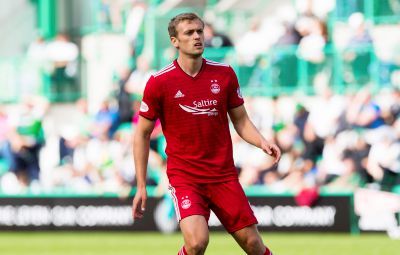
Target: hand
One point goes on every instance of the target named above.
(139, 203)
(272, 150)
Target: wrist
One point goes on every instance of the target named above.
(141, 186)
(263, 142)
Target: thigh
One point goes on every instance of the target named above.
(189, 200)
(231, 206)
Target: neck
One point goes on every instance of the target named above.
(191, 66)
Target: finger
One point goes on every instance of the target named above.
(136, 212)
(143, 205)
(268, 150)
(138, 215)
(277, 153)
(134, 205)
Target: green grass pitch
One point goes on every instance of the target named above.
(117, 243)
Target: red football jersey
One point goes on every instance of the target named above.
(193, 115)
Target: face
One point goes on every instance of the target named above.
(190, 38)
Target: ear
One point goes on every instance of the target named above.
(175, 42)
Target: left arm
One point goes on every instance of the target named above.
(246, 130)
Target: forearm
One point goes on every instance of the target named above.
(248, 132)
(141, 148)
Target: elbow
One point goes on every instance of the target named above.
(239, 129)
(141, 136)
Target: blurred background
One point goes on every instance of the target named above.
(321, 78)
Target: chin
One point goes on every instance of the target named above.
(193, 53)
(196, 54)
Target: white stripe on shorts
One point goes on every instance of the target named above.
(176, 205)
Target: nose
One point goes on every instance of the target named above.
(196, 35)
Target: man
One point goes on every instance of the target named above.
(192, 97)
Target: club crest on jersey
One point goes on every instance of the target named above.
(215, 87)
(144, 107)
(186, 203)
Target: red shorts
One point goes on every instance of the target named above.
(227, 200)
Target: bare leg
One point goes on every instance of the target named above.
(195, 234)
(250, 240)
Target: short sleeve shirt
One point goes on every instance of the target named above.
(193, 114)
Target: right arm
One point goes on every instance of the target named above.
(141, 145)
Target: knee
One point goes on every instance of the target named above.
(196, 246)
(254, 245)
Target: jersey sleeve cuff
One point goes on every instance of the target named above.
(147, 116)
(236, 105)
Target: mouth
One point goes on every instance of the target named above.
(198, 45)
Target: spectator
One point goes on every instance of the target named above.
(32, 77)
(395, 106)
(125, 101)
(357, 54)
(105, 120)
(138, 78)
(359, 155)
(360, 33)
(364, 113)
(75, 135)
(322, 122)
(63, 54)
(283, 61)
(317, 8)
(110, 14)
(300, 120)
(251, 45)
(134, 26)
(384, 160)
(290, 36)
(215, 39)
(27, 139)
(37, 50)
(312, 43)
(348, 179)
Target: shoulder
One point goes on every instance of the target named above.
(218, 65)
(157, 80)
(164, 71)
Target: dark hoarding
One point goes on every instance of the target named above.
(274, 213)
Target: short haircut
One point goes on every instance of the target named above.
(178, 19)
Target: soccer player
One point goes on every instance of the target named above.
(192, 97)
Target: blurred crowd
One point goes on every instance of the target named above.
(353, 49)
(337, 141)
(92, 154)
